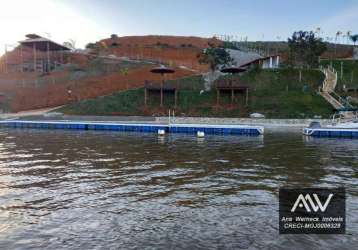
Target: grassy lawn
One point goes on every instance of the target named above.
(126, 102)
(275, 93)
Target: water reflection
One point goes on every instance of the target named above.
(65, 189)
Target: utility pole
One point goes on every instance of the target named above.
(341, 70)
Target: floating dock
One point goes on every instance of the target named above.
(331, 132)
(137, 127)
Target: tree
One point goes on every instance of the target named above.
(230, 45)
(348, 35)
(336, 41)
(354, 39)
(215, 57)
(71, 44)
(318, 31)
(305, 48)
(91, 46)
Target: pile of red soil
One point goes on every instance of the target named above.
(187, 57)
(172, 50)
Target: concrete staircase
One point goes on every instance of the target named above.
(327, 91)
(328, 87)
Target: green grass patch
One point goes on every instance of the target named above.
(126, 102)
(275, 93)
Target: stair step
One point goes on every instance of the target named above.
(329, 85)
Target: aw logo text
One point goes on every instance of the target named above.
(312, 210)
(311, 204)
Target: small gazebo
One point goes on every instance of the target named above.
(44, 45)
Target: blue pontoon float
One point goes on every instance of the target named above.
(340, 127)
(137, 127)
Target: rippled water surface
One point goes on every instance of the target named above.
(98, 190)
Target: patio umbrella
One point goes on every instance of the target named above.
(162, 70)
(232, 70)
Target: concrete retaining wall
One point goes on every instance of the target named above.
(248, 121)
(267, 123)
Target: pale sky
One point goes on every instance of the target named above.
(50, 18)
(91, 20)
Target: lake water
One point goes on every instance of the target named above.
(107, 190)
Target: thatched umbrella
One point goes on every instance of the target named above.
(232, 70)
(162, 70)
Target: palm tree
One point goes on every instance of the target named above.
(338, 34)
(335, 44)
(318, 32)
(354, 39)
(348, 34)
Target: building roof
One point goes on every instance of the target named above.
(32, 36)
(242, 57)
(41, 43)
(258, 60)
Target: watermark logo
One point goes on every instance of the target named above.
(312, 210)
(310, 204)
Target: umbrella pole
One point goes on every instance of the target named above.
(232, 89)
(247, 97)
(161, 94)
(232, 96)
(145, 96)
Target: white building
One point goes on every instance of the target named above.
(268, 62)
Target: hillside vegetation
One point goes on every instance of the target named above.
(275, 93)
